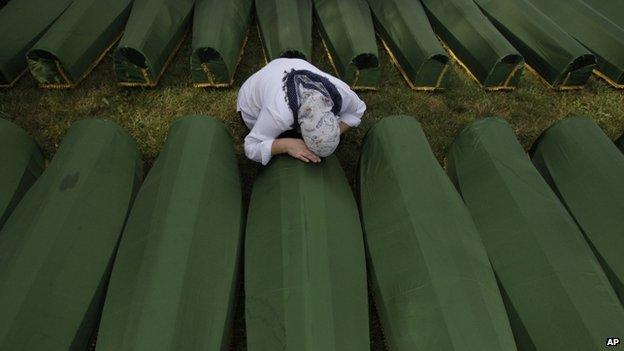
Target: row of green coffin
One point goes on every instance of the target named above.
(175, 266)
(492, 38)
(64, 43)
(64, 39)
(449, 276)
(521, 265)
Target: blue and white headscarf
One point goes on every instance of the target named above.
(315, 103)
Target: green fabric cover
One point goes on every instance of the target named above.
(611, 9)
(407, 34)
(551, 52)
(175, 276)
(154, 31)
(586, 170)
(601, 36)
(477, 44)
(57, 248)
(432, 282)
(219, 33)
(22, 23)
(305, 271)
(347, 30)
(285, 28)
(557, 296)
(620, 143)
(22, 163)
(77, 41)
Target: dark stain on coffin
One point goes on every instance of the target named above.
(69, 181)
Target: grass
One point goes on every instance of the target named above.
(148, 113)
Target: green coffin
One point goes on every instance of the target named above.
(285, 28)
(476, 44)
(22, 23)
(620, 143)
(601, 36)
(586, 170)
(348, 34)
(22, 163)
(557, 296)
(432, 282)
(611, 9)
(409, 39)
(57, 248)
(220, 30)
(154, 33)
(77, 41)
(175, 276)
(559, 59)
(305, 271)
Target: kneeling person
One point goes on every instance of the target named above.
(292, 107)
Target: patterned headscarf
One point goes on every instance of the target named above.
(315, 103)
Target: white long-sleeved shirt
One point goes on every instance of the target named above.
(262, 104)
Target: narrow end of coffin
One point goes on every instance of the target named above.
(198, 121)
(441, 58)
(47, 69)
(570, 121)
(132, 68)
(506, 73)
(209, 69)
(583, 61)
(366, 72)
(133, 56)
(485, 123)
(208, 54)
(513, 59)
(365, 61)
(432, 73)
(578, 72)
(438, 59)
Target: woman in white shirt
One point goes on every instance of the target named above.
(292, 107)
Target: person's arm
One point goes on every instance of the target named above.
(295, 148)
(353, 109)
(261, 143)
(257, 149)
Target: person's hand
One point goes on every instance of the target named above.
(298, 149)
(295, 148)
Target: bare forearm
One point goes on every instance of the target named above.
(295, 148)
(280, 146)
